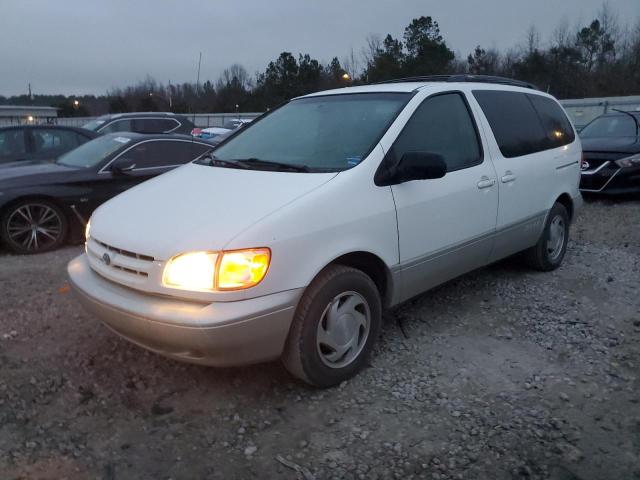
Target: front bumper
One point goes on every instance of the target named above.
(219, 334)
(611, 179)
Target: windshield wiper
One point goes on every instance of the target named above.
(281, 166)
(632, 116)
(217, 162)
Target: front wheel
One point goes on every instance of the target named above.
(548, 253)
(335, 326)
(33, 226)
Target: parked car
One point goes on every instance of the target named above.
(237, 123)
(229, 126)
(611, 158)
(294, 234)
(213, 132)
(39, 142)
(141, 122)
(42, 203)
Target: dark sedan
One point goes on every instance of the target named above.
(42, 203)
(40, 142)
(611, 154)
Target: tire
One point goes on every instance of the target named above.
(334, 307)
(33, 226)
(548, 253)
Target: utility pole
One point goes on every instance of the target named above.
(197, 86)
(30, 95)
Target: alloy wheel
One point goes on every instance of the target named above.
(34, 226)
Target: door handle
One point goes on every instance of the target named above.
(508, 177)
(486, 182)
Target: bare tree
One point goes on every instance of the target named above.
(372, 47)
(532, 40)
(351, 64)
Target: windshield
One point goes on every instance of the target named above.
(325, 133)
(92, 153)
(95, 124)
(610, 126)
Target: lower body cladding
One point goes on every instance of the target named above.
(218, 334)
(610, 179)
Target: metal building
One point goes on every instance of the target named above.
(19, 114)
(582, 110)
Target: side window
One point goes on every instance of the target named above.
(53, 141)
(442, 124)
(12, 145)
(164, 153)
(123, 125)
(514, 122)
(168, 124)
(154, 125)
(555, 123)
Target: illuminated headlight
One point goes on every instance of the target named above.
(632, 161)
(210, 271)
(87, 230)
(191, 271)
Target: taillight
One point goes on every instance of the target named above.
(196, 132)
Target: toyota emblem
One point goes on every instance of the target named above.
(106, 259)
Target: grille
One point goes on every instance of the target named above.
(117, 263)
(126, 253)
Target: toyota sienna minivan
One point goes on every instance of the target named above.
(290, 239)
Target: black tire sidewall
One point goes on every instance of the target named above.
(12, 246)
(315, 370)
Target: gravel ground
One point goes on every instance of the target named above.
(501, 374)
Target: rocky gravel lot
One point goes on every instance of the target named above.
(502, 374)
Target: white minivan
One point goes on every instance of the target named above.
(292, 236)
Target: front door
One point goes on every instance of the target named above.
(445, 225)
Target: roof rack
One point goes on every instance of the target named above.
(465, 78)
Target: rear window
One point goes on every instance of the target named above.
(523, 123)
(555, 123)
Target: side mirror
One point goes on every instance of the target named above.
(122, 167)
(415, 166)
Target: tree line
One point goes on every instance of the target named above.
(601, 58)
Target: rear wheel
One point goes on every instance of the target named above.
(33, 226)
(335, 326)
(549, 252)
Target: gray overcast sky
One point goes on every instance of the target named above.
(89, 46)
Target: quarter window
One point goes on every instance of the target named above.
(555, 123)
(443, 125)
(123, 125)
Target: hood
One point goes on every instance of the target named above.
(611, 144)
(196, 207)
(31, 173)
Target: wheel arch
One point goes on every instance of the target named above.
(373, 266)
(565, 200)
